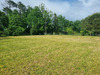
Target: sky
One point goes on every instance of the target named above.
(71, 9)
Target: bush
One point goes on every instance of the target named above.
(82, 33)
(1, 33)
(70, 31)
(6, 32)
(15, 30)
(18, 31)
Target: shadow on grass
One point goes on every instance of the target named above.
(4, 38)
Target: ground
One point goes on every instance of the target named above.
(50, 55)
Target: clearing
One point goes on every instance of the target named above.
(50, 55)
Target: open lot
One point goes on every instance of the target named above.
(50, 55)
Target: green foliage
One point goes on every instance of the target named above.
(35, 21)
(55, 24)
(77, 26)
(92, 24)
(39, 20)
(69, 31)
(15, 30)
(7, 10)
(6, 32)
(1, 33)
(17, 24)
(82, 33)
(22, 8)
(46, 18)
(19, 30)
(11, 3)
(62, 23)
(3, 20)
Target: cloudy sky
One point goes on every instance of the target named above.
(71, 9)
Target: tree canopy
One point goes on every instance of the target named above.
(91, 24)
(18, 19)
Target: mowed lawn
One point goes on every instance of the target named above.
(50, 55)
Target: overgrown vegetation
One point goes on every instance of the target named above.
(18, 19)
(50, 55)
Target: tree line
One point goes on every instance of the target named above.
(18, 19)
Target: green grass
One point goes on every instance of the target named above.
(50, 55)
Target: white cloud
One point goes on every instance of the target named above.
(72, 11)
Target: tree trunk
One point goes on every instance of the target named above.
(45, 29)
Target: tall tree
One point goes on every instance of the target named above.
(34, 20)
(55, 24)
(8, 5)
(17, 24)
(11, 3)
(46, 17)
(7, 10)
(4, 21)
(28, 10)
(22, 8)
(91, 24)
(77, 26)
(62, 24)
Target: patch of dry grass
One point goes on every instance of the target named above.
(50, 55)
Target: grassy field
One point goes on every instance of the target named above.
(50, 55)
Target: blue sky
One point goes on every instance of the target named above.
(71, 9)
